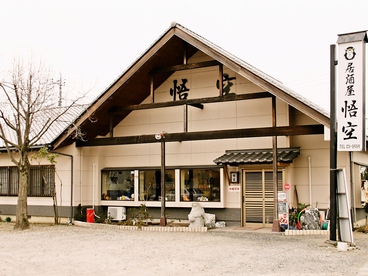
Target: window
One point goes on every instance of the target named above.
(9, 181)
(117, 185)
(200, 184)
(181, 185)
(41, 181)
(150, 185)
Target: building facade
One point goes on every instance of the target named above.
(215, 121)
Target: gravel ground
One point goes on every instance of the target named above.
(75, 250)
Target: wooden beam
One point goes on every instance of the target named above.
(206, 135)
(198, 105)
(186, 66)
(226, 98)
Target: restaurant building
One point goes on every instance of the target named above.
(221, 122)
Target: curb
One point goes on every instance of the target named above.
(143, 228)
(306, 232)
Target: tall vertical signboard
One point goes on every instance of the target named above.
(351, 92)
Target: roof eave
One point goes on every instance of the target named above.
(130, 71)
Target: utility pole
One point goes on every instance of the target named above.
(60, 83)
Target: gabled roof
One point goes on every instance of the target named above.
(260, 156)
(56, 129)
(133, 86)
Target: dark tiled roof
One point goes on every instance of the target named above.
(58, 127)
(257, 156)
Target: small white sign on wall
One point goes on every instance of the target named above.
(234, 177)
(234, 188)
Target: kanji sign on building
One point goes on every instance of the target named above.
(351, 92)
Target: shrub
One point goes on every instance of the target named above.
(81, 213)
(101, 218)
(366, 208)
(138, 216)
(363, 229)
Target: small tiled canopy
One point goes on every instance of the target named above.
(258, 156)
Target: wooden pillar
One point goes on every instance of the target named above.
(221, 83)
(185, 54)
(163, 216)
(152, 94)
(111, 113)
(276, 224)
(185, 118)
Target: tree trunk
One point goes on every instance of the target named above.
(56, 215)
(21, 222)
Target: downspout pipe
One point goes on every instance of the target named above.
(93, 185)
(71, 183)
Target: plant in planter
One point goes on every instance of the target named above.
(139, 216)
(294, 214)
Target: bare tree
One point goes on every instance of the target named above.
(29, 115)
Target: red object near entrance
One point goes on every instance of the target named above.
(90, 215)
(287, 186)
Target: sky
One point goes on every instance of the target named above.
(90, 43)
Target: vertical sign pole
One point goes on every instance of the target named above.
(333, 144)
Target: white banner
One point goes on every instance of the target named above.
(351, 97)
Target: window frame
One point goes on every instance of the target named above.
(177, 202)
(12, 176)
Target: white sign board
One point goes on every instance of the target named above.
(351, 96)
(234, 188)
(281, 197)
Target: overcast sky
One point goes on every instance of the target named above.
(92, 42)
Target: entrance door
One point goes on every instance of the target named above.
(258, 196)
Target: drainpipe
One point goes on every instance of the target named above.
(310, 181)
(93, 185)
(71, 183)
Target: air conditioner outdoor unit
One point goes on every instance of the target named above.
(116, 213)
